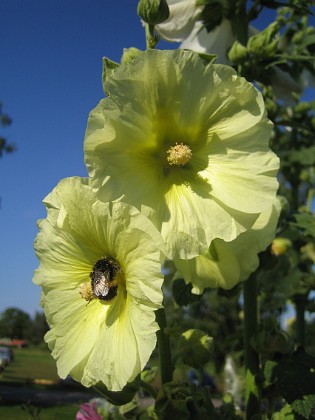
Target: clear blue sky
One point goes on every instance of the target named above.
(50, 78)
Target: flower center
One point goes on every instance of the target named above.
(104, 283)
(179, 155)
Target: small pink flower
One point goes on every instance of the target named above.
(88, 411)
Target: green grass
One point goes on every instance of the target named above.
(30, 364)
(16, 412)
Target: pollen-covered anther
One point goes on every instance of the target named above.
(86, 292)
(179, 155)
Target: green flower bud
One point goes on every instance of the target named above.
(238, 53)
(271, 48)
(196, 348)
(305, 176)
(302, 107)
(264, 44)
(281, 342)
(298, 37)
(185, 401)
(153, 12)
(280, 245)
(271, 341)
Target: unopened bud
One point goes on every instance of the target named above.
(265, 43)
(280, 245)
(268, 342)
(153, 12)
(196, 348)
(238, 53)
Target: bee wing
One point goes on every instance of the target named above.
(101, 288)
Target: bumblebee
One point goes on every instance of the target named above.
(103, 278)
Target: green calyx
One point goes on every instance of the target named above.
(153, 12)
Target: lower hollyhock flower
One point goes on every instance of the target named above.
(100, 273)
(227, 263)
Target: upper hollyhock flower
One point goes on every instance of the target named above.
(100, 272)
(187, 144)
(181, 21)
(185, 25)
(227, 263)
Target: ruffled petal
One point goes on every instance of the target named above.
(227, 263)
(181, 21)
(87, 333)
(164, 98)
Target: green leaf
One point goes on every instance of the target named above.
(120, 397)
(208, 58)
(185, 402)
(284, 414)
(308, 40)
(276, 4)
(305, 221)
(304, 406)
(294, 378)
(305, 156)
(195, 348)
(269, 366)
(109, 67)
(182, 293)
(148, 375)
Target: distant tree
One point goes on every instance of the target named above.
(38, 329)
(5, 120)
(15, 323)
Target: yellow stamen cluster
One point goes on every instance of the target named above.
(179, 155)
(86, 292)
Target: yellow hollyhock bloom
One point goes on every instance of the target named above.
(100, 273)
(227, 263)
(187, 144)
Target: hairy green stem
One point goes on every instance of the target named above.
(151, 37)
(252, 389)
(164, 346)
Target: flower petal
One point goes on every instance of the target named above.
(183, 15)
(227, 263)
(87, 336)
(164, 98)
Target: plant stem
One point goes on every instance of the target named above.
(252, 390)
(151, 38)
(164, 346)
(300, 302)
(147, 387)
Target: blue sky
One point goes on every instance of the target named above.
(50, 78)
